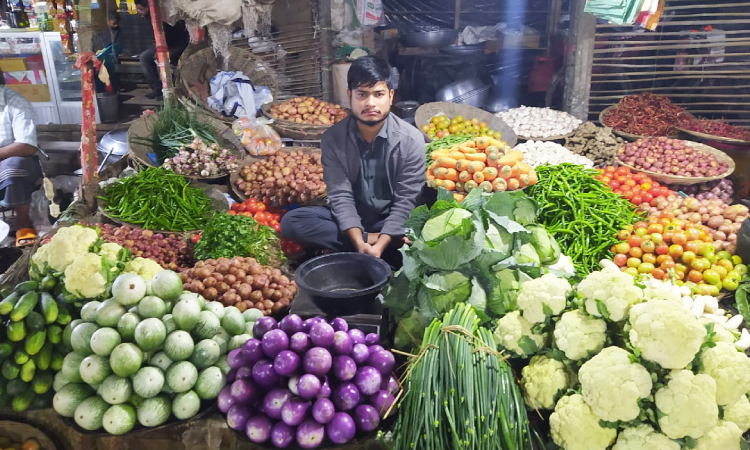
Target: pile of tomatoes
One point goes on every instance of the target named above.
(667, 247)
(258, 211)
(636, 187)
(291, 248)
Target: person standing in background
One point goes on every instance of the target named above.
(177, 38)
(19, 166)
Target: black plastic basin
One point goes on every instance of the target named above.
(342, 282)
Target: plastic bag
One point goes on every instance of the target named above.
(257, 136)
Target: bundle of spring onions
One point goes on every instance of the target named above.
(460, 393)
(176, 127)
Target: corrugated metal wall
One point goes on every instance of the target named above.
(707, 71)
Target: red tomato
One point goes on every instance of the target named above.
(634, 241)
(277, 217)
(621, 259)
(638, 177)
(297, 248)
(252, 200)
(261, 206)
(636, 200)
(235, 206)
(627, 194)
(276, 226)
(242, 207)
(622, 170)
(610, 169)
(247, 214)
(232, 212)
(614, 184)
(630, 183)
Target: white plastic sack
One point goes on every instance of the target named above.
(232, 94)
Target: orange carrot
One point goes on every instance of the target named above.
(478, 177)
(447, 162)
(513, 184)
(505, 172)
(500, 184)
(457, 155)
(516, 171)
(470, 185)
(449, 185)
(477, 157)
(486, 186)
(462, 164)
(464, 176)
(459, 186)
(475, 166)
(451, 174)
(439, 183)
(524, 168)
(459, 197)
(471, 144)
(490, 173)
(467, 150)
(482, 142)
(523, 180)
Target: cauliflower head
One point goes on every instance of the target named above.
(543, 380)
(68, 244)
(38, 261)
(724, 436)
(666, 333)
(739, 413)
(579, 335)
(86, 277)
(688, 405)
(721, 334)
(144, 267)
(549, 291)
(567, 424)
(730, 369)
(612, 385)
(112, 251)
(643, 437)
(611, 291)
(514, 333)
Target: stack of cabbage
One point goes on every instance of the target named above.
(627, 364)
(159, 358)
(477, 252)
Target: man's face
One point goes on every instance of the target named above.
(371, 105)
(112, 23)
(142, 10)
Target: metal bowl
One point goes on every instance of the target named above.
(341, 283)
(459, 88)
(476, 98)
(464, 50)
(430, 39)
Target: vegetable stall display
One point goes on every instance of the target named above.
(441, 126)
(671, 157)
(169, 251)
(227, 236)
(308, 382)
(241, 282)
(157, 199)
(644, 114)
(160, 358)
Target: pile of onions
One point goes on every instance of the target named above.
(170, 251)
(284, 178)
(670, 157)
(724, 220)
(241, 282)
(721, 189)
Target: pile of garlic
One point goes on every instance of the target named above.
(532, 122)
(537, 153)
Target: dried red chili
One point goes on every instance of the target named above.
(645, 114)
(716, 128)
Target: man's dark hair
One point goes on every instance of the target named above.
(114, 15)
(143, 3)
(368, 71)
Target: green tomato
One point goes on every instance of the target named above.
(732, 281)
(711, 276)
(708, 249)
(646, 268)
(713, 289)
(723, 255)
(641, 232)
(633, 262)
(740, 269)
(736, 260)
(632, 271)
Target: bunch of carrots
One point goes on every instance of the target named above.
(480, 163)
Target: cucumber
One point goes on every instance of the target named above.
(28, 370)
(10, 370)
(43, 359)
(6, 306)
(54, 334)
(26, 286)
(63, 315)
(6, 348)
(16, 331)
(42, 382)
(16, 386)
(35, 342)
(34, 322)
(20, 357)
(50, 309)
(48, 283)
(22, 401)
(5, 291)
(25, 305)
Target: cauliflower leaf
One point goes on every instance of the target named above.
(579, 335)
(687, 405)
(666, 333)
(612, 384)
(574, 426)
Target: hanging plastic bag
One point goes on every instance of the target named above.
(257, 136)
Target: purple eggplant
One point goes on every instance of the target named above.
(368, 380)
(317, 361)
(342, 343)
(323, 410)
(282, 435)
(299, 343)
(252, 350)
(293, 383)
(321, 335)
(232, 375)
(244, 372)
(360, 354)
(263, 326)
(341, 429)
(307, 324)
(358, 336)
(382, 401)
(346, 397)
(325, 389)
(375, 348)
(308, 386)
(291, 324)
(286, 363)
(339, 324)
(225, 399)
(310, 434)
(235, 359)
(344, 368)
(391, 385)
(274, 342)
(295, 411)
(237, 416)
(264, 375)
(258, 428)
(372, 339)
(383, 361)
(366, 417)
(274, 401)
(244, 391)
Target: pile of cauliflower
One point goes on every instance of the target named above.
(86, 264)
(630, 365)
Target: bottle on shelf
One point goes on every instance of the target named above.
(17, 14)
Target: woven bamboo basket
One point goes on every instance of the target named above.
(711, 137)
(674, 179)
(18, 431)
(626, 135)
(429, 110)
(141, 127)
(235, 176)
(294, 130)
(197, 69)
(558, 137)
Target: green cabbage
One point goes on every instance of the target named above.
(450, 223)
(545, 244)
(446, 289)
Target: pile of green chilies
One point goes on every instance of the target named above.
(460, 394)
(157, 199)
(582, 213)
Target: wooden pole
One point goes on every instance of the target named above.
(326, 44)
(90, 179)
(162, 51)
(579, 61)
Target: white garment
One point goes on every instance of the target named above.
(232, 94)
(16, 119)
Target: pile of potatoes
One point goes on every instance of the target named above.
(309, 110)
